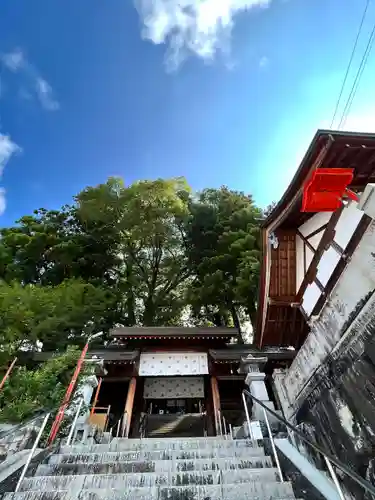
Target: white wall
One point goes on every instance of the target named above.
(347, 224)
(308, 227)
(345, 228)
(355, 283)
(310, 298)
(312, 224)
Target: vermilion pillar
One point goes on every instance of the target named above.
(216, 403)
(129, 406)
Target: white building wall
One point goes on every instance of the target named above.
(300, 265)
(344, 230)
(354, 285)
(307, 228)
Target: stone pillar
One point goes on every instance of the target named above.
(129, 406)
(85, 390)
(216, 403)
(257, 387)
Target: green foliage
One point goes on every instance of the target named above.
(223, 241)
(149, 253)
(56, 316)
(149, 219)
(28, 391)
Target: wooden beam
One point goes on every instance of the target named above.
(337, 247)
(326, 240)
(319, 285)
(293, 302)
(350, 249)
(316, 231)
(306, 242)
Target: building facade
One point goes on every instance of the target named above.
(186, 381)
(318, 288)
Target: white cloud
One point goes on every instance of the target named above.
(17, 62)
(45, 95)
(201, 27)
(3, 203)
(264, 62)
(7, 149)
(14, 60)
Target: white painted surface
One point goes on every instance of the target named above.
(367, 201)
(314, 223)
(300, 267)
(327, 265)
(347, 224)
(173, 363)
(258, 390)
(310, 298)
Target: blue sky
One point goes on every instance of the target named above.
(222, 92)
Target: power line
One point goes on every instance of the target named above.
(357, 80)
(350, 61)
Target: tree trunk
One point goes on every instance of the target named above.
(130, 299)
(236, 322)
(149, 312)
(252, 312)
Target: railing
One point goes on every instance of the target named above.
(223, 428)
(120, 426)
(43, 417)
(143, 426)
(328, 458)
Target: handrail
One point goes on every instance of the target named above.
(143, 425)
(38, 414)
(353, 475)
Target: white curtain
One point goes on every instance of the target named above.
(173, 387)
(173, 363)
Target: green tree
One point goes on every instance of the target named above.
(54, 317)
(269, 208)
(223, 242)
(28, 391)
(150, 219)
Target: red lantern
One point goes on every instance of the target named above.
(326, 188)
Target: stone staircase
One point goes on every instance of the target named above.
(157, 469)
(186, 425)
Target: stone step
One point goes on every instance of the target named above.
(258, 491)
(129, 494)
(150, 444)
(149, 479)
(140, 456)
(176, 493)
(121, 467)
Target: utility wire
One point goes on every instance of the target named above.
(357, 79)
(350, 61)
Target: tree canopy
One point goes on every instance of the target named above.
(151, 253)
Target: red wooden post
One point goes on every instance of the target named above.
(7, 373)
(59, 417)
(96, 396)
